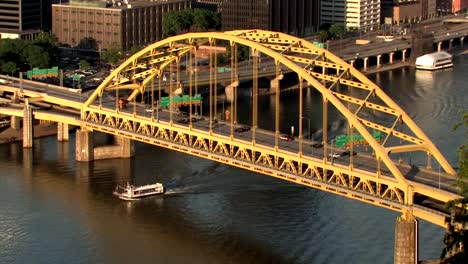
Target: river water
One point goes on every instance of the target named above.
(55, 210)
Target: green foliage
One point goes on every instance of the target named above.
(190, 20)
(335, 31)
(9, 67)
(84, 65)
(462, 154)
(26, 54)
(323, 35)
(36, 57)
(456, 236)
(111, 55)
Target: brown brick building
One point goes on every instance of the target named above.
(138, 23)
(297, 17)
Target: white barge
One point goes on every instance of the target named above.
(130, 192)
(434, 61)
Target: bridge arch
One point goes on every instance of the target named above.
(311, 63)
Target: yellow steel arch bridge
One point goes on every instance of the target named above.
(380, 179)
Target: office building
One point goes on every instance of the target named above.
(351, 14)
(24, 18)
(123, 24)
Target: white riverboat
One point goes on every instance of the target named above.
(434, 61)
(130, 192)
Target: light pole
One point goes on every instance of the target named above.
(308, 127)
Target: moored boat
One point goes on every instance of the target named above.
(434, 61)
(130, 192)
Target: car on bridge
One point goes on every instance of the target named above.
(286, 137)
(348, 153)
(334, 155)
(317, 145)
(241, 129)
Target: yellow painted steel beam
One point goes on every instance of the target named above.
(407, 148)
(395, 133)
(11, 111)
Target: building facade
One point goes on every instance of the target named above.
(351, 14)
(296, 17)
(24, 18)
(403, 11)
(123, 25)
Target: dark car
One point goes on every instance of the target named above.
(182, 121)
(348, 152)
(317, 145)
(242, 129)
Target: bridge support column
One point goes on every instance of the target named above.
(228, 90)
(462, 39)
(391, 57)
(28, 134)
(127, 147)
(62, 132)
(15, 122)
(379, 57)
(84, 145)
(439, 46)
(406, 239)
(275, 84)
(450, 44)
(403, 55)
(366, 59)
(351, 62)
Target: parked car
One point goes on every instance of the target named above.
(242, 129)
(286, 137)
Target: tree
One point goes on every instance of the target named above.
(335, 31)
(36, 57)
(323, 35)
(111, 55)
(456, 236)
(9, 67)
(84, 65)
(190, 20)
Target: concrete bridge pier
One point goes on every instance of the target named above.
(84, 150)
(439, 46)
(391, 57)
(15, 121)
(275, 84)
(403, 55)
(406, 239)
(379, 57)
(228, 90)
(62, 132)
(28, 134)
(462, 39)
(450, 44)
(351, 62)
(366, 59)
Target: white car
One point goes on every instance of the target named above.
(149, 109)
(334, 155)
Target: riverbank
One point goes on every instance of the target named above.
(9, 135)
